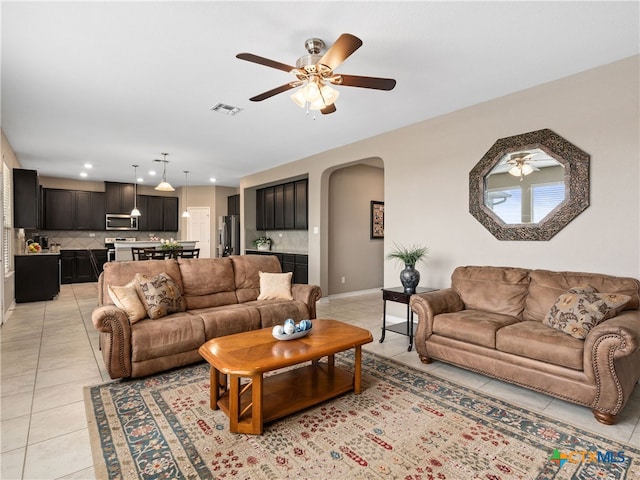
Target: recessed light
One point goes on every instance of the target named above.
(83, 174)
(140, 180)
(212, 180)
(152, 173)
(88, 165)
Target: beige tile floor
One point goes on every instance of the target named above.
(49, 351)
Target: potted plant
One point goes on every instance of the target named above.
(409, 276)
(262, 243)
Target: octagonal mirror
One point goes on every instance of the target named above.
(529, 186)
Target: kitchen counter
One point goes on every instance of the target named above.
(274, 251)
(123, 249)
(36, 254)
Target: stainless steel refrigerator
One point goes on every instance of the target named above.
(229, 235)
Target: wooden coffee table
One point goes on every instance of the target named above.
(264, 399)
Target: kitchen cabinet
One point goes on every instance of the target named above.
(119, 197)
(159, 214)
(73, 210)
(77, 267)
(296, 263)
(26, 199)
(282, 207)
(37, 277)
(301, 205)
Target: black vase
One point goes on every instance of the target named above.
(410, 277)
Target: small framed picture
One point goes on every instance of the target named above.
(377, 219)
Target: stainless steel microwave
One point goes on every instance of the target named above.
(121, 222)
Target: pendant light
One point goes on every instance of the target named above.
(164, 186)
(186, 213)
(135, 212)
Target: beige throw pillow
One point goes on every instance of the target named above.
(127, 299)
(160, 294)
(275, 286)
(582, 308)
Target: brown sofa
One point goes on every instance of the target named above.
(221, 299)
(491, 321)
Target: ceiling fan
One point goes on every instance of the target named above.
(521, 164)
(315, 72)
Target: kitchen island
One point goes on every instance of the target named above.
(37, 276)
(123, 249)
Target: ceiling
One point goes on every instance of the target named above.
(118, 83)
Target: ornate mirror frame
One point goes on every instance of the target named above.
(576, 178)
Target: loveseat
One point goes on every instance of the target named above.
(524, 327)
(207, 298)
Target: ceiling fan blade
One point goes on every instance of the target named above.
(250, 57)
(365, 82)
(328, 109)
(271, 93)
(345, 45)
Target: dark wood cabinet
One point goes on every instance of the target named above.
(89, 213)
(282, 207)
(269, 208)
(37, 277)
(119, 197)
(58, 209)
(26, 199)
(77, 265)
(73, 210)
(289, 210)
(159, 214)
(296, 263)
(260, 210)
(233, 204)
(301, 205)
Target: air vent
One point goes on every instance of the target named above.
(226, 109)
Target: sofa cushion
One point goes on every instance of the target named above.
(207, 282)
(160, 294)
(472, 326)
(275, 286)
(579, 310)
(492, 289)
(546, 286)
(534, 340)
(170, 335)
(228, 319)
(247, 280)
(275, 312)
(126, 298)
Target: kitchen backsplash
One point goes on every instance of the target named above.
(79, 240)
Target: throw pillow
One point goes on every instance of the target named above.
(582, 308)
(127, 299)
(160, 294)
(275, 286)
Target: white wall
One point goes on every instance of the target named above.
(427, 170)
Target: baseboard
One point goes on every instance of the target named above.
(354, 294)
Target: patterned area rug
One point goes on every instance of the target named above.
(405, 424)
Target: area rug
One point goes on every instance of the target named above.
(405, 424)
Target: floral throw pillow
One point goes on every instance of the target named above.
(582, 308)
(161, 295)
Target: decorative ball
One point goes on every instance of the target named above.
(278, 330)
(289, 328)
(305, 325)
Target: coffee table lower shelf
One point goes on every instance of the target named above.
(283, 394)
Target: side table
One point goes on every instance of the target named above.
(397, 294)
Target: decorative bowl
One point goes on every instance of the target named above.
(291, 336)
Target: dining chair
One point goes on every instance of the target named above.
(153, 254)
(138, 253)
(188, 253)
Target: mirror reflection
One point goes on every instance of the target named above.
(524, 186)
